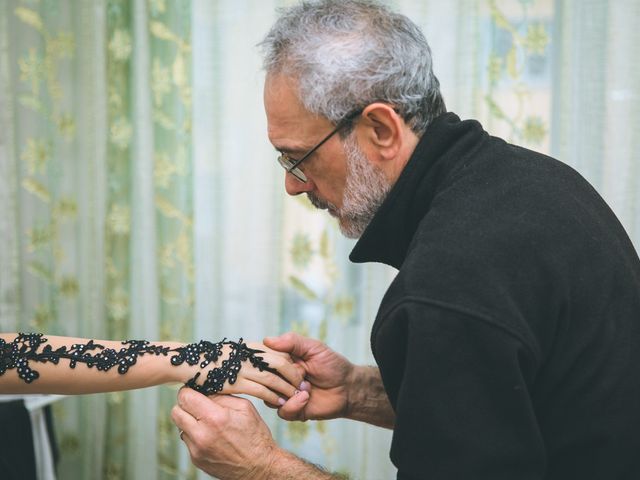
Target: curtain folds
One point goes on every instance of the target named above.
(140, 198)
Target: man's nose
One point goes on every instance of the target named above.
(293, 186)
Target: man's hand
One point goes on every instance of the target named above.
(328, 372)
(227, 439)
(338, 388)
(225, 435)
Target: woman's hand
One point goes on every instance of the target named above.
(274, 384)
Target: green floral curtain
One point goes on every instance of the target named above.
(140, 198)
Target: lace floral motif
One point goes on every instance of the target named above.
(25, 349)
(229, 369)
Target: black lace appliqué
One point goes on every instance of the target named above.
(25, 348)
(228, 371)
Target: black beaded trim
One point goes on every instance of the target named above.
(24, 349)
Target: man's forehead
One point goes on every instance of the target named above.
(288, 122)
(280, 98)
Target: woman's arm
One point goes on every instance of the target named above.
(34, 363)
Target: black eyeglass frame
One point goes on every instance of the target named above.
(291, 165)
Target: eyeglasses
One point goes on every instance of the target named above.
(291, 165)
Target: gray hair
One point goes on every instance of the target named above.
(346, 54)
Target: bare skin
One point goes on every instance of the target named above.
(338, 388)
(150, 370)
(227, 439)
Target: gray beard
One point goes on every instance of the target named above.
(365, 189)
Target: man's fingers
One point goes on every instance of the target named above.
(188, 398)
(280, 343)
(293, 409)
(291, 343)
(180, 417)
(194, 403)
(184, 421)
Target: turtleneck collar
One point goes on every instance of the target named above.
(442, 147)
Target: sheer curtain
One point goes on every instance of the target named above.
(139, 196)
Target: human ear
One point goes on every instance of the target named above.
(381, 131)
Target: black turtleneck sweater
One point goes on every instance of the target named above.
(509, 341)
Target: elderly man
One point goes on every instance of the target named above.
(508, 345)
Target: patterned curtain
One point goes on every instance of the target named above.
(139, 196)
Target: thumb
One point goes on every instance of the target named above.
(273, 342)
(289, 342)
(293, 409)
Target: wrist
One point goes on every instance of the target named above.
(285, 465)
(354, 389)
(367, 400)
(191, 360)
(276, 461)
(179, 373)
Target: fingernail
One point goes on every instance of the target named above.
(305, 397)
(281, 401)
(304, 385)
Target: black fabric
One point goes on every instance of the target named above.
(509, 341)
(17, 459)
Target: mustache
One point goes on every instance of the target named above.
(320, 204)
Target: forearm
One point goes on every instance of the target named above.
(33, 363)
(98, 366)
(286, 466)
(367, 399)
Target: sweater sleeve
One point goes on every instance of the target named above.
(460, 386)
